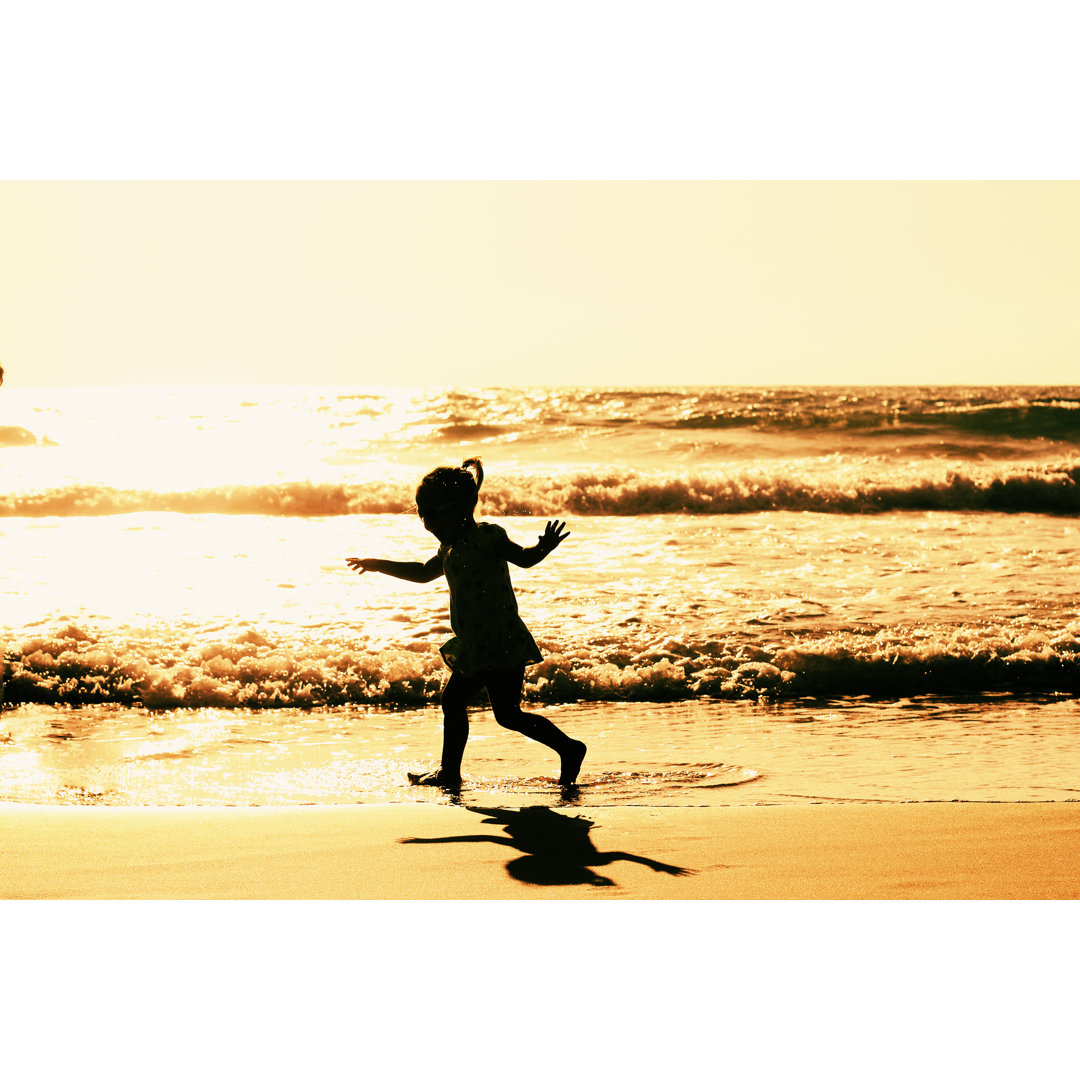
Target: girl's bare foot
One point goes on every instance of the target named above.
(570, 763)
(437, 778)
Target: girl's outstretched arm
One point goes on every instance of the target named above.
(553, 535)
(407, 571)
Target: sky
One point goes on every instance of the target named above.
(540, 282)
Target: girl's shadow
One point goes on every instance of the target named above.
(557, 849)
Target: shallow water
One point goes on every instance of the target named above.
(705, 753)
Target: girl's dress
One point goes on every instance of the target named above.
(488, 634)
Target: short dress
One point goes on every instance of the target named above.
(488, 634)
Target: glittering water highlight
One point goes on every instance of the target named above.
(174, 569)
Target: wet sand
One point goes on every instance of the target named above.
(926, 851)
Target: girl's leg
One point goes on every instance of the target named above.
(456, 695)
(504, 693)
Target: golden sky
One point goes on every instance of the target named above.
(511, 282)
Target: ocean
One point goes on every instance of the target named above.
(769, 595)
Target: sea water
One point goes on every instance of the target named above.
(768, 594)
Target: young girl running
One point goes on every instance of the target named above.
(491, 645)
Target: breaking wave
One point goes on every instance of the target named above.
(1049, 489)
(73, 668)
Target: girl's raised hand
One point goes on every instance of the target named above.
(361, 566)
(554, 534)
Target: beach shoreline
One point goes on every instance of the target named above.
(925, 851)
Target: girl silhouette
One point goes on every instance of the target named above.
(491, 646)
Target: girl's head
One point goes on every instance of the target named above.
(447, 496)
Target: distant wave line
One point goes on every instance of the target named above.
(1042, 489)
(1059, 420)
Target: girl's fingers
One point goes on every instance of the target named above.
(554, 534)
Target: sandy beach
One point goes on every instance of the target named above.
(413, 852)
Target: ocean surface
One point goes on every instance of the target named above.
(768, 594)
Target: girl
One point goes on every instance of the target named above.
(491, 645)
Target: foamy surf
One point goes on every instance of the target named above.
(74, 668)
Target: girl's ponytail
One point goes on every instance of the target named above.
(450, 484)
(477, 467)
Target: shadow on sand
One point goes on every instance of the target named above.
(557, 850)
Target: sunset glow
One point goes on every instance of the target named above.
(540, 283)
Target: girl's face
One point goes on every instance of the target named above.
(446, 521)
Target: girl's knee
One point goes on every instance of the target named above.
(514, 719)
(453, 708)
(455, 697)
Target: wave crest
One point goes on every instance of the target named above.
(72, 667)
(1032, 489)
